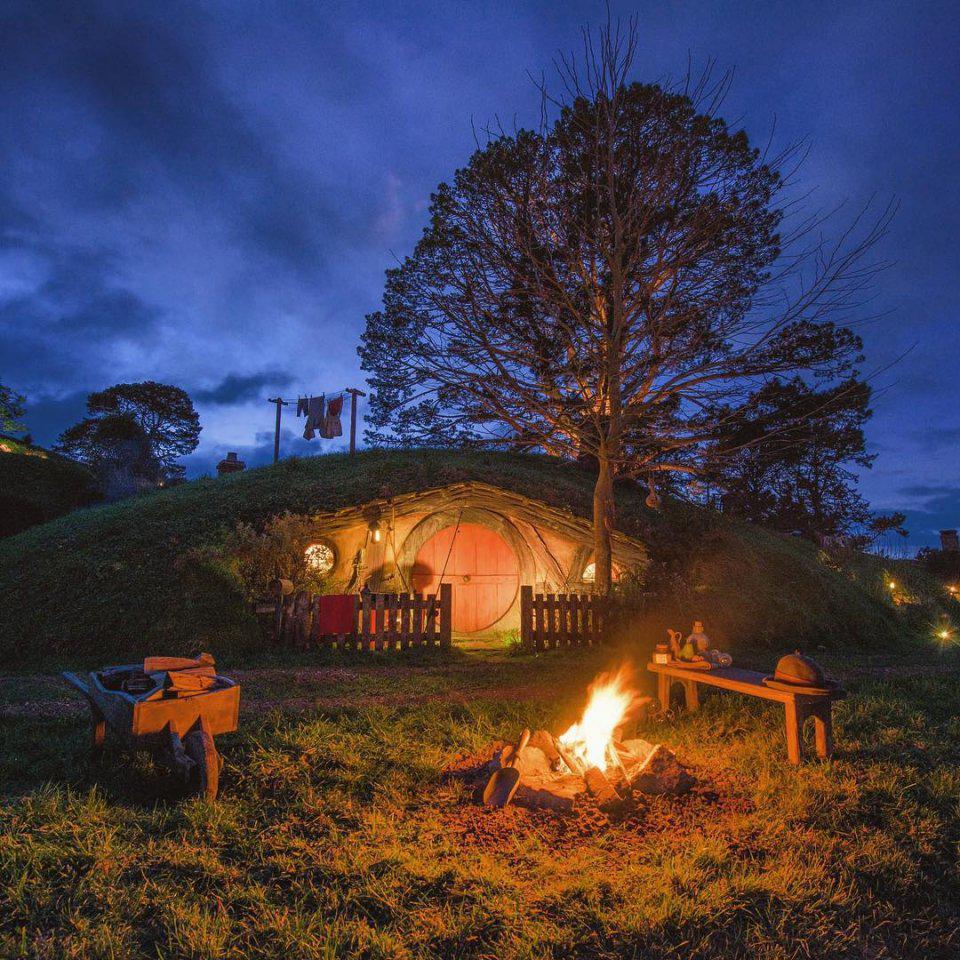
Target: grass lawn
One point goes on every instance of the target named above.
(337, 833)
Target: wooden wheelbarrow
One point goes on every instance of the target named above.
(176, 727)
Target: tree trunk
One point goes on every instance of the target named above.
(603, 519)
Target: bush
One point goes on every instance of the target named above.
(254, 556)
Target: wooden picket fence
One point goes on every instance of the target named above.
(381, 621)
(552, 620)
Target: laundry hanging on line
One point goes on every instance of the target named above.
(331, 422)
(316, 407)
(323, 418)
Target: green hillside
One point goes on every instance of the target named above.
(37, 485)
(112, 582)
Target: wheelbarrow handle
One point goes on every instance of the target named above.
(75, 680)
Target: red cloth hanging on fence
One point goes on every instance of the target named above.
(337, 613)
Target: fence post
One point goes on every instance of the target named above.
(526, 616)
(352, 640)
(366, 613)
(315, 638)
(446, 615)
(378, 621)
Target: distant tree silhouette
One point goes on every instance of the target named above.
(118, 451)
(133, 435)
(788, 458)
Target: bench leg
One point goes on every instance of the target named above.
(823, 729)
(663, 691)
(794, 718)
(691, 695)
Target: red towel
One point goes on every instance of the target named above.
(337, 613)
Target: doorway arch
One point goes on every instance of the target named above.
(486, 560)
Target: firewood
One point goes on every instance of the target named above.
(543, 740)
(188, 680)
(559, 795)
(615, 753)
(572, 763)
(599, 786)
(204, 662)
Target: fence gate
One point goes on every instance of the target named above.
(377, 621)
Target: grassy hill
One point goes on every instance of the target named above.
(111, 583)
(37, 485)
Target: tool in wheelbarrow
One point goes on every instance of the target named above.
(503, 784)
(172, 713)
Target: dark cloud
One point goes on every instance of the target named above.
(931, 491)
(239, 389)
(937, 438)
(192, 189)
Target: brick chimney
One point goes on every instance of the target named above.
(949, 542)
(230, 465)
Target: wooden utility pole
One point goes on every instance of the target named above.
(281, 403)
(354, 393)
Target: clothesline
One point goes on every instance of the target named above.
(323, 416)
(327, 393)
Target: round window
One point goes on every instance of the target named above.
(320, 557)
(589, 574)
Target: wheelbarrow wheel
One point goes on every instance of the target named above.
(202, 751)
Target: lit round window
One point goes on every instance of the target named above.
(589, 574)
(320, 557)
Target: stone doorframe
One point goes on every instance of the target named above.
(448, 517)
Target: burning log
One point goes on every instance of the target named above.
(543, 740)
(600, 787)
(570, 760)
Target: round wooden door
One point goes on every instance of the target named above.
(481, 567)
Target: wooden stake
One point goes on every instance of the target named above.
(281, 403)
(354, 393)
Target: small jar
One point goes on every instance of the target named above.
(661, 653)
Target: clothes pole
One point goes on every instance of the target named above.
(354, 393)
(281, 403)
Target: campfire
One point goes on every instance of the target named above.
(589, 759)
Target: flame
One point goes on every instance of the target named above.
(611, 698)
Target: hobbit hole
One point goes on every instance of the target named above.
(484, 541)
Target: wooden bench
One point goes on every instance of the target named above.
(798, 707)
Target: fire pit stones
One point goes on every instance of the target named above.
(548, 782)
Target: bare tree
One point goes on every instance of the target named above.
(602, 287)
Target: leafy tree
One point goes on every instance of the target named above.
(598, 287)
(787, 460)
(119, 452)
(11, 410)
(164, 414)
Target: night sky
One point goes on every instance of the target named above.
(208, 194)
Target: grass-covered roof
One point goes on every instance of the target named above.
(110, 583)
